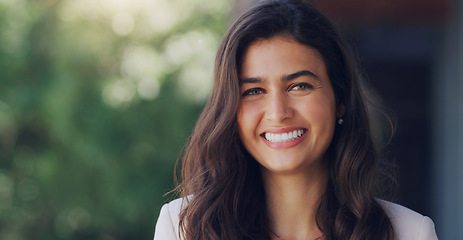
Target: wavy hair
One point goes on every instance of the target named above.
(221, 182)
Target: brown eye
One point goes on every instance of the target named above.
(253, 91)
(301, 86)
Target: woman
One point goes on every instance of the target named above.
(283, 149)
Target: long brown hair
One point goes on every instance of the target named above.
(221, 182)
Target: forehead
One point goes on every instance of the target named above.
(279, 54)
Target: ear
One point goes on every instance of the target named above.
(340, 109)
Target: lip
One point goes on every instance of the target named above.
(282, 145)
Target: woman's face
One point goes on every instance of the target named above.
(287, 111)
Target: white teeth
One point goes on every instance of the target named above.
(285, 137)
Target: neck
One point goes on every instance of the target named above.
(292, 201)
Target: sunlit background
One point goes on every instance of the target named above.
(97, 98)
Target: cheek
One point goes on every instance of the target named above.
(321, 111)
(240, 117)
(325, 111)
(243, 120)
(248, 119)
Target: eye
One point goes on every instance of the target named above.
(301, 86)
(253, 91)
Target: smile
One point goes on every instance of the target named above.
(284, 137)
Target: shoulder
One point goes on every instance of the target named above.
(407, 223)
(168, 221)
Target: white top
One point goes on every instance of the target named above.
(407, 224)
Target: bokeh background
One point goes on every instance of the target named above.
(97, 98)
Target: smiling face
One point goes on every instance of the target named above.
(287, 112)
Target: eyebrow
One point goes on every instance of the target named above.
(300, 73)
(284, 79)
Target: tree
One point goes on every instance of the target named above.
(97, 99)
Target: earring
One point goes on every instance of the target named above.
(340, 120)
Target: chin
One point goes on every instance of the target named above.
(282, 168)
(284, 165)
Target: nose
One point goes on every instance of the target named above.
(278, 108)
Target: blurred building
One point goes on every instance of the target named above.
(411, 52)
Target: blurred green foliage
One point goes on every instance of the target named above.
(97, 98)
